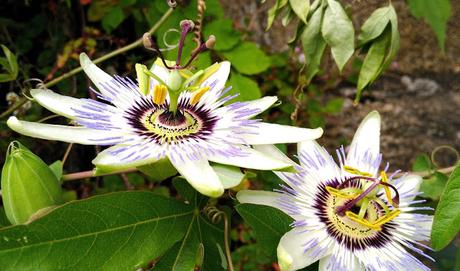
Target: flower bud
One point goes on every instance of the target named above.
(28, 185)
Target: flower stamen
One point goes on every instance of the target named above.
(356, 171)
(196, 95)
(159, 94)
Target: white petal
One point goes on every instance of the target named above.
(347, 262)
(56, 103)
(250, 159)
(266, 198)
(365, 148)
(260, 105)
(161, 72)
(94, 73)
(408, 187)
(122, 157)
(201, 176)
(219, 78)
(298, 249)
(64, 133)
(65, 105)
(228, 175)
(273, 151)
(317, 162)
(269, 133)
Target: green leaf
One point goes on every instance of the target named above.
(301, 8)
(56, 168)
(117, 231)
(271, 15)
(226, 36)
(247, 58)
(200, 236)
(269, 225)
(159, 171)
(3, 219)
(230, 176)
(334, 106)
(394, 45)
(436, 13)
(113, 19)
(313, 44)
(434, 186)
(422, 163)
(244, 86)
(12, 66)
(372, 65)
(446, 223)
(339, 33)
(374, 26)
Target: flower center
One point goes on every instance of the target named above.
(169, 128)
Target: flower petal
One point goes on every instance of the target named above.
(159, 70)
(269, 133)
(249, 158)
(94, 73)
(259, 105)
(64, 133)
(200, 175)
(228, 175)
(408, 187)
(273, 151)
(65, 105)
(122, 157)
(218, 79)
(347, 262)
(266, 198)
(298, 249)
(364, 152)
(317, 162)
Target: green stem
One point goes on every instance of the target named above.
(121, 50)
(173, 98)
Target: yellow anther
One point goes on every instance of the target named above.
(361, 221)
(338, 193)
(388, 217)
(208, 72)
(197, 94)
(159, 94)
(384, 177)
(356, 171)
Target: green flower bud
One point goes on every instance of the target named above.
(28, 185)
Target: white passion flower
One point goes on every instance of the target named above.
(348, 216)
(174, 114)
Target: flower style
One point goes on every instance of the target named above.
(171, 113)
(349, 217)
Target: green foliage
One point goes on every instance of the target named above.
(436, 13)
(226, 36)
(313, 44)
(422, 163)
(301, 8)
(10, 64)
(247, 58)
(338, 32)
(269, 225)
(380, 38)
(247, 88)
(118, 231)
(57, 168)
(202, 242)
(159, 171)
(446, 223)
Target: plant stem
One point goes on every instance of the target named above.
(92, 173)
(121, 50)
(228, 253)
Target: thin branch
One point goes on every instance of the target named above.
(92, 173)
(124, 49)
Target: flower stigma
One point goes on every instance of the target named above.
(180, 78)
(357, 199)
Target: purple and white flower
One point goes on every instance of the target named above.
(348, 216)
(143, 129)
